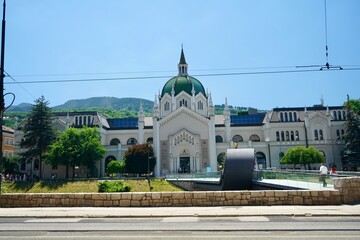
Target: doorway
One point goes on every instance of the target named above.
(184, 165)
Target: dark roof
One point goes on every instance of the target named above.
(314, 108)
(123, 123)
(247, 120)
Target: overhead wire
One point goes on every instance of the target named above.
(8, 75)
(168, 76)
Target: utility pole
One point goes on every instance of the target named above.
(2, 102)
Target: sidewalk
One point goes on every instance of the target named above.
(145, 212)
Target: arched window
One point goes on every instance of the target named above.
(342, 134)
(114, 141)
(344, 115)
(295, 117)
(76, 121)
(281, 117)
(286, 117)
(254, 138)
(84, 120)
(290, 117)
(80, 121)
(237, 138)
(292, 137)
(282, 136)
(316, 135)
(277, 136)
(337, 134)
(183, 103)
(287, 136)
(131, 141)
(335, 116)
(261, 160)
(89, 120)
(149, 140)
(218, 139)
(200, 105)
(297, 136)
(321, 137)
(339, 115)
(166, 106)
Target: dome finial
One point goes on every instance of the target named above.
(182, 56)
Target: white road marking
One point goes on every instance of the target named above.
(254, 219)
(53, 220)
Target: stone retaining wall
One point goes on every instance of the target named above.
(349, 188)
(175, 199)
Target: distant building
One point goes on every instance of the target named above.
(187, 136)
(8, 142)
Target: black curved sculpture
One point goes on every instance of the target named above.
(239, 165)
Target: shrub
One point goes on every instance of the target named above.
(113, 186)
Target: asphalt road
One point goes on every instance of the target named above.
(250, 227)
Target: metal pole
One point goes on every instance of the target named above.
(2, 103)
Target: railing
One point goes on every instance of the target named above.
(194, 176)
(309, 179)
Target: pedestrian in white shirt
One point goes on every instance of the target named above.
(323, 174)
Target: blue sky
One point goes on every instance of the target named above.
(97, 39)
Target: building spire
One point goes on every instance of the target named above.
(182, 56)
(182, 66)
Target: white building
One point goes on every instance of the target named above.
(188, 136)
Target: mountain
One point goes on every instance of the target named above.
(22, 107)
(131, 104)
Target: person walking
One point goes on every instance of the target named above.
(323, 173)
(332, 170)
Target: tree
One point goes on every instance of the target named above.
(354, 105)
(302, 155)
(115, 167)
(77, 147)
(10, 165)
(140, 159)
(38, 132)
(351, 153)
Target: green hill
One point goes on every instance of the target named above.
(131, 104)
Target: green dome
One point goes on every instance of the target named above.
(183, 83)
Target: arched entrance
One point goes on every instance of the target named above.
(261, 160)
(184, 165)
(221, 161)
(108, 160)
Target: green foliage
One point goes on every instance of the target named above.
(354, 105)
(351, 158)
(110, 107)
(38, 132)
(113, 186)
(10, 165)
(77, 147)
(221, 161)
(139, 159)
(302, 155)
(11, 118)
(115, 167)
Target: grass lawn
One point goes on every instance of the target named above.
(91, 186)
